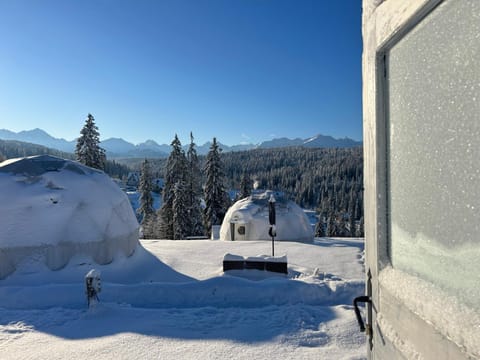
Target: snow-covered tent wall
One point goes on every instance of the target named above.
(247, 219)
(52, 209)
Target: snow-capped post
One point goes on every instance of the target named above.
(271, 217)
(92, 287)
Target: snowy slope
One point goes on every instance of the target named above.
(171, 300)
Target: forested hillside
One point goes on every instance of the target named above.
(308, 176)
(314, 178)
(14, 149)
(327, 180)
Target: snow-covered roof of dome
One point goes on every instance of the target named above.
(52, 209)
(40, 164)
(247, 219)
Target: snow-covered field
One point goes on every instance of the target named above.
(171, 300)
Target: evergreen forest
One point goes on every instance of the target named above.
(327, 180)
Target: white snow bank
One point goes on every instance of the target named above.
(217, 292)
(169, 300)
(53, 209)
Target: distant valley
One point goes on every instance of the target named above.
(120, 148)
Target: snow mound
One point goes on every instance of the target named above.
(53, 209)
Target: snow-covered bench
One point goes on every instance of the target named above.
(263, 262)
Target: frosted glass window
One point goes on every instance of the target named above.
(433, 147)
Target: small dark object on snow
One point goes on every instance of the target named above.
(92, 287)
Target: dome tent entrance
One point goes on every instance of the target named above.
(247, 219)
(53, 209)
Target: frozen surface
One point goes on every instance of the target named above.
(458, 322)
(170, 300)
(252, 214)
(53, 209)
(434, 149)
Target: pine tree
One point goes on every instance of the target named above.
(361, 228)
(319, 228)
(246, 185)
(180, 211)
(216, 198)
(88, 150)
(175, 172)
(332, 229)
(194, 190)
(353, 226)
(146, 210)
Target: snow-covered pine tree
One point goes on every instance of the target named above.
(175, 171)
(320, 227)
(361, 228)
(146, 209)
(352, 226)
(88, 150)
(194, 190)
(180, 210)
(216, 198)
(332, 228)
(246, 185)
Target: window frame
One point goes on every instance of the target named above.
(384, 25)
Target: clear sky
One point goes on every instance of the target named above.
(239, 70)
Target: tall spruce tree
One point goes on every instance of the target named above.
(246, 185)
(175, 172)
(88, 150)
(180, 211)
(216, 198)
(194, 190)
(146, 209)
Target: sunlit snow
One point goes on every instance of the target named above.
(168, 299)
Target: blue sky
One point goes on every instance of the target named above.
(239, 70)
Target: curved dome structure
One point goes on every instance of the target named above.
(247, 219)
(52, 209)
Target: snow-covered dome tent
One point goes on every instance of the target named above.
(52, 209)
(247, 219)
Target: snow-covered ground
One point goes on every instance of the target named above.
(171, 300)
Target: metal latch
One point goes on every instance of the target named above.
(361, 299)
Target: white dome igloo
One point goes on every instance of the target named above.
(52, 209)
(247, 219)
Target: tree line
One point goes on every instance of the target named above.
(327, 180)
(182, 214)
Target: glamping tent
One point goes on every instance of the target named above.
(52, 209)
(247, 219)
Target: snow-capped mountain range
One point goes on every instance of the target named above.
(120, 148)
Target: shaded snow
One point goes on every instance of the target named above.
(170, 300)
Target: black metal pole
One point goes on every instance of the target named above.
(273, 246)
(272, 220)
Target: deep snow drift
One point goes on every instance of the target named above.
(52, 209)
(171, 300)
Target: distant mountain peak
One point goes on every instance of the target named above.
(150, 142)
(118, 147)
